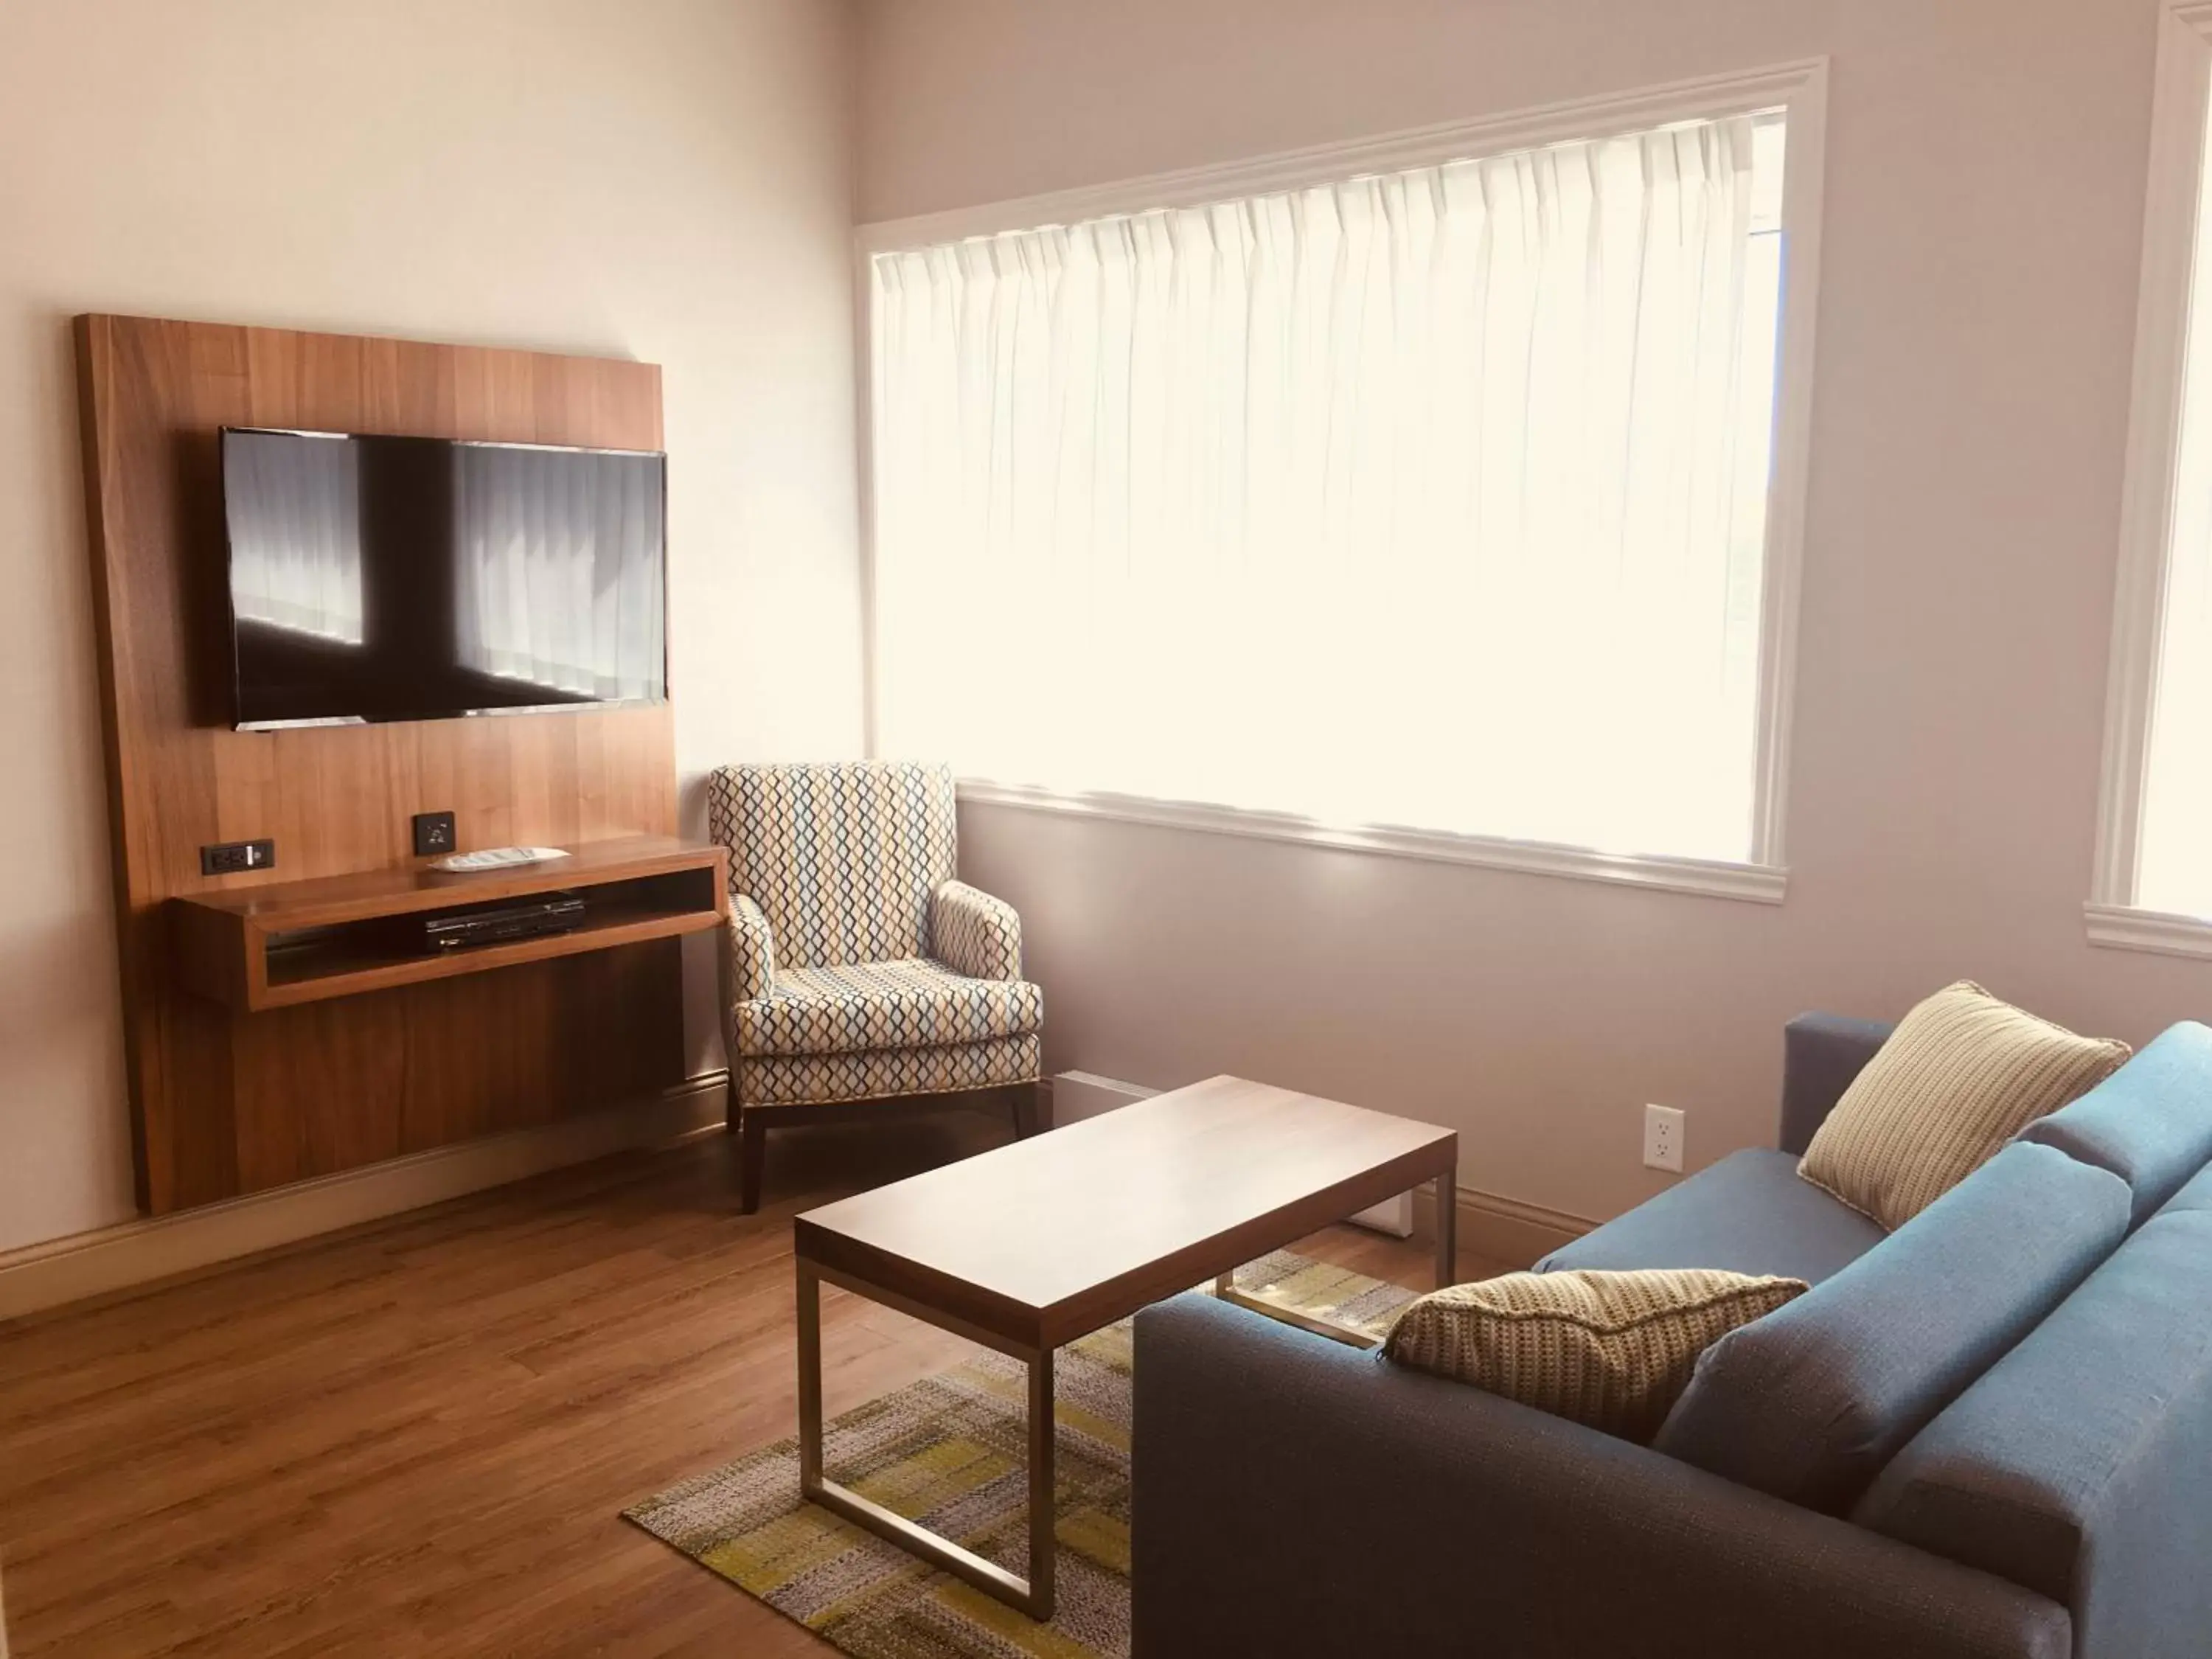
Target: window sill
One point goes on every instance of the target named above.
(2125, 927)
(1759, 884)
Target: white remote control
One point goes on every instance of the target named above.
(499, 857)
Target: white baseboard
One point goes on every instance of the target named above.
(133, 1253)
(1078, 1094)
(1506, 1230)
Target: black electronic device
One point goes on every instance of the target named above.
(376, 578)
(501, 923)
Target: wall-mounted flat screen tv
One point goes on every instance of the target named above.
(408, 579)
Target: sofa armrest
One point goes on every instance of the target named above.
(1294, 1497)
(748, 960)
(973, 934)
(1820, 1055)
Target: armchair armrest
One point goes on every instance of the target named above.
(748, 959)
(973, 934)
(1293, 1498)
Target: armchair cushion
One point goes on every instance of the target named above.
(974, 933)
(877, 1073)
(913, 1003)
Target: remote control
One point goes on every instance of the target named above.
(499, 857)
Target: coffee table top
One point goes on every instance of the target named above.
(1034, 1244)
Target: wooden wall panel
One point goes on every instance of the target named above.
(225, 1103)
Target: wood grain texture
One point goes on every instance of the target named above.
(153, 396)
(410, 890)
(234, 948)
(1054, 1237)
(416, 1439)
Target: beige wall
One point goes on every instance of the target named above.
(668, 179)
(1985, 200)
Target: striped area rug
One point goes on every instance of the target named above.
(948, 1451)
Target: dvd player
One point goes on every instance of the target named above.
(500, 924)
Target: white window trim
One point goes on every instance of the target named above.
(2179, 108)
(1711, 878)
(1798, 88)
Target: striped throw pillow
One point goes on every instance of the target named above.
(1961, 1075)
(1612, 1350)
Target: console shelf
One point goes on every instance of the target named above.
(278, 943)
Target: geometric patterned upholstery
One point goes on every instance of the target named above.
(879, 1073)
(748, 954)
(975, 933)
(912, 1004)
(855, 966)
(841, 859)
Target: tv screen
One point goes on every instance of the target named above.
(405, 579)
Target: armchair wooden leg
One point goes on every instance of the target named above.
(752, 1152)
(1028, 1109)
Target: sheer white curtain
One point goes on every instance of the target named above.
(1434, 500)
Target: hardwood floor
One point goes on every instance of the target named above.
(417, 1438)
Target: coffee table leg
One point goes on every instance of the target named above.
(1043, 1549)
(1447, 1187)
(810, 1381)
(1032, 1596)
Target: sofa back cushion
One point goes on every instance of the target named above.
(2080, 1466)
(1810, 1402)
(2150, 1123)
(2195, 1196)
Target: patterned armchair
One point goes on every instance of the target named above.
(856, 970)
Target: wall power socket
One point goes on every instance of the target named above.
(433, 833)
(1663, 1135)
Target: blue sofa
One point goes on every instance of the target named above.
(1985, 1435)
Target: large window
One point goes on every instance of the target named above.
(1436, 497)
(2153, 884)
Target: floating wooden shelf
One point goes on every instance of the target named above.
(273, 945)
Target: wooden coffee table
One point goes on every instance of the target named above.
(1030, 1246)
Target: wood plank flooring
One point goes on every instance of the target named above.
(415, 1438)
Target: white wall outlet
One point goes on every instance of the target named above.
(1663, 1135)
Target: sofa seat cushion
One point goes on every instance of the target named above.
(914, 1002)
(1747, 1214)
(1612, 1351)
(2150, 1123)
(2080, 1466)
(1963, 1073)
(1810, 1402)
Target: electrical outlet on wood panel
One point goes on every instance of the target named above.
(433, 833)
(1663, 1139)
